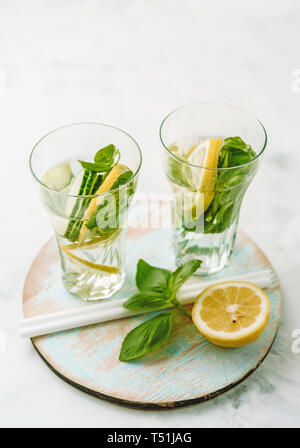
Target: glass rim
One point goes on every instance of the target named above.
(185, 162)
(83, 195)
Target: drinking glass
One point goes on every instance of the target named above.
(91, 248)
(206, 201)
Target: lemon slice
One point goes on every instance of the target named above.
(231, 314)
(183, 147)
(202, 179)
(95, 202)
(206, 155)
(198, 153)
(98, 267)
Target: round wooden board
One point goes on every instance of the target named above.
(188, 370)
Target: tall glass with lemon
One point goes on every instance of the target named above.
(211, 153)
(87, 174)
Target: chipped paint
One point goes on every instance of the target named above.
(188, 368)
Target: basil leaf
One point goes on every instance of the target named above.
(146, 301)
(237, 153)
(122, 179)
(231, 185)
(96, 167)
(234, 142)
(146, 337)
(158, 289)
(107, 155)
(151, 278)
(182, 273)
(104, 159)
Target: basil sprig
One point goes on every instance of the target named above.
(157, 289)
(230, 186)
(104, 159)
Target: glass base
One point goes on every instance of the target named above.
(214, 249)
(90, 287)
(93, 270)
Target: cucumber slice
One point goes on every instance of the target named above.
(84, 185)
(65, 205)
(58, 177)
(73, 189)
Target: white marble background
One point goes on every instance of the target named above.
(128, 63)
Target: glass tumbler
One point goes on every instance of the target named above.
(88, 211)
(206, 200)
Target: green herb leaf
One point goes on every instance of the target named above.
(146, 301)
(158, 289)
(235, 142)
(146, 337)
(151, 278)
(122, 179)
(107, 155)
(236, 151)
(182, 273)
(230, 186)
(96, 167)
(104, 160)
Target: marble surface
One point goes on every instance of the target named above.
(128, 63)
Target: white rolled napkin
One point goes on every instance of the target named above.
(107, 311)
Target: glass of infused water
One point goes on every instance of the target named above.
(87, 174)
(212, 151)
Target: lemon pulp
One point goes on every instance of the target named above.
(231, 314)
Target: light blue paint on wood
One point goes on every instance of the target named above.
(188, 366)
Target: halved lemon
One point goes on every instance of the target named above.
(231, 314)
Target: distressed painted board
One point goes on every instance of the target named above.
(188, 370)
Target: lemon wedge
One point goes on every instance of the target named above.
(231, 314)
(205, 155)
(95, 202)
(202, 178)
